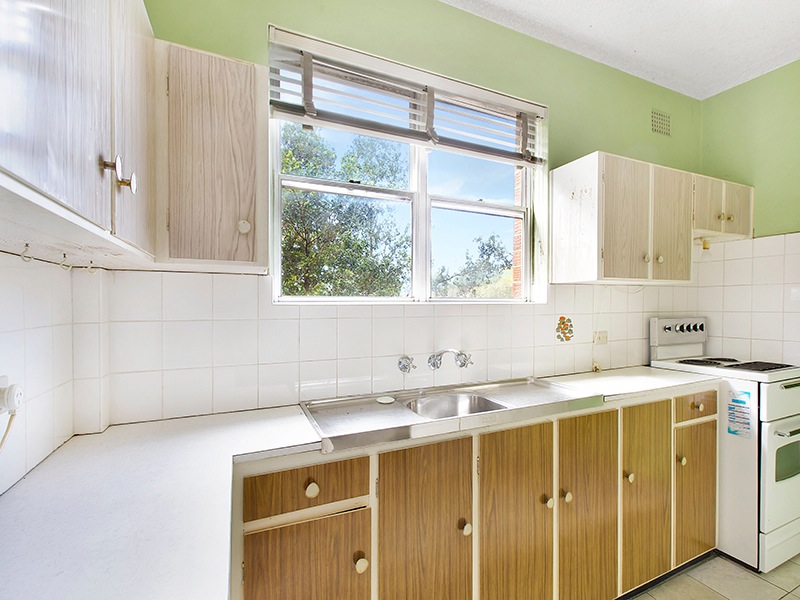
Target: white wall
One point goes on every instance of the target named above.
(36, 351)
(750, 291)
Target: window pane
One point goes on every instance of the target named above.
(340, 156)
(469, 178)
(475, 255)
(337, 245)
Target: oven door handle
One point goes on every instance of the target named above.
(788, 434)
(789, 386)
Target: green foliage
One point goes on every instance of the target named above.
(487, 276)
(334, 245)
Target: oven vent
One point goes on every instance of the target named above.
(660, 122)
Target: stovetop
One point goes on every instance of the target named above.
(761, 371)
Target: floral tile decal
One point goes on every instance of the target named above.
(564, 329)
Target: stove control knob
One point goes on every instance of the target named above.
(682, 328)
(694, 327)
(702, 327)
(667, 327)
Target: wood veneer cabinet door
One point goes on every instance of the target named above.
(626, 218)
(425, 499)
(708, 207)
(312, 560)
(133, 123)
(212, 156)
(55, 100)
(738, 209)
(695, 490)
(646, 492)
(588, 467)
(672, 224)
(516, 482)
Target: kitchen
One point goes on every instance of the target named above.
(117, 346)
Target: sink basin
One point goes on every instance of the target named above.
(441, 406)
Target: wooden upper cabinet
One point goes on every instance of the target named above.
(672, 224)
(695, 490)
(133, 123)
(626, 218)
(313, 560)
(516, 513)
(211, 157)
(722, 209)
(56, 101)
(646, 493)
(588, 468)
(425, 499)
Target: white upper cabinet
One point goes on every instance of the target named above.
(620, 220)
(722, 209)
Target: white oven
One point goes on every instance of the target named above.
(759, 445)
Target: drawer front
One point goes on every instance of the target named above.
(695, 406)
(287, 491)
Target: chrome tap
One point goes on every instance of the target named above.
(463, 360)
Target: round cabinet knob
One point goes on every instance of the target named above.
(362, 564)
(467, 529)
(647, 258)
(312, 490)
(730, 218)
(701, 407)
(244, 226)
(550, 503)
(660, 259)
(568, 497)
(132, 183)
(630, 477)
(721, 216)
(683, 461)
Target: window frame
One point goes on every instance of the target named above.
(534, 189)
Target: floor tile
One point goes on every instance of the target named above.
(683, 587)
(786, 577)
(734, 582)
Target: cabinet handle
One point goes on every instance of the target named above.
(730, 218)
(115, 165)
(683, 461)
(647, 258)
(132, 183)
(466, 529)
(244, 226)
(721, 216)
(312, 490)
(630, 477)
(568, 497)
(362, 564)
(550, 503)
(701, 407)
(660, 259)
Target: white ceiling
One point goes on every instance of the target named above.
(696, 47)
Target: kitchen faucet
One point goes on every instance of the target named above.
(462, 359)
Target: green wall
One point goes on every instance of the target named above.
(592, 106)
(751, 134)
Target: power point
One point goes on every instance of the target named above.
(11, 398)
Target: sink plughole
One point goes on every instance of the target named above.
(442, 406)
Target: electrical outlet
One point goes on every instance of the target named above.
(601, 337)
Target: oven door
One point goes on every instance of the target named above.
(780, 473)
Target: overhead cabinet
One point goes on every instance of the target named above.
(620, 220)
(76, 94)
(210, 149)
(722, 209)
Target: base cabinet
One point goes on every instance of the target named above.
(587, 522)
(516, 513)
(425, 514)
(695, 490)
(646, 493)
(315, 559)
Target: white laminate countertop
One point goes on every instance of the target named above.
(140, 511)
(616, 384)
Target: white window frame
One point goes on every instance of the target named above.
(534, 183)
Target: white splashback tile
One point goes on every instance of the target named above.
(278, 341)
(318, 339)
(235, 297)
(136, 397)
(739, 272)
(774, 245)
(738, 249)
(87, 350)
(792, 243)
(135, 296)
(62, 355)
(387, 337)
(766, 326)
(187, 296)
(86, 405)
(420, 377)
(187, 392)
(235, 388)
(477, 372)
(39, 430)
(768, 298)
(354, 376)
(137, 347)
(187, 344)
(278, 385)
(12, 298)
(768, 350)
(354, 338)
(499, 330)
(62, 413)
(475, 332)
(38, 361)
(36, 284)
(317, 379)
(235, 343)
(768, 269)
(791, 297)
(12, 459)
(385, 374)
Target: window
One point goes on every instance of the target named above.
(392, 183)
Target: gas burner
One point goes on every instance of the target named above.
(729, 360)
(703, 362)
(758, 366)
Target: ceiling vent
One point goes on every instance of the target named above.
(660, 122)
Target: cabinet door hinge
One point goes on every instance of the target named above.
(478, 465)
(242, 572)
(377, 487)
(602, 256)
(167, 85)
(167, 219)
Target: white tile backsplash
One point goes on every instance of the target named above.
(235, 388)
(187, 344)
(235, 343)
(135, 296)
(187, 392)
(187, 297)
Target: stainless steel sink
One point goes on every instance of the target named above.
(442, 406)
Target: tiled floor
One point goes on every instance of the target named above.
(719, 578)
